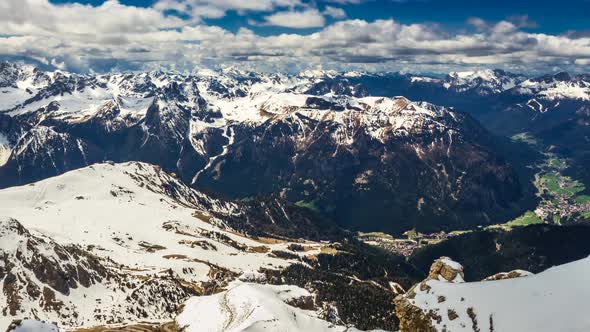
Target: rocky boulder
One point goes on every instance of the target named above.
(411, 317)
(445, 269)
(509, 275)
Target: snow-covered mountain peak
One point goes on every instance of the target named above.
(484, 81)
(318, 73)
(21, 76)
(557, 87)
(374, 114)
(200, 126)
(483, 74)
(236, 71)
(20, 82)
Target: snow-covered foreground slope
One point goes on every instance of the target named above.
(34, 326)
(149, 243)
(553, 300)
(112, 207)
(252, 308)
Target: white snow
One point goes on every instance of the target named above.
(484, 74)
(51, 206)
(415, 79)
(113, 210)
(5, 149)
(251, 308)
(451, 263)
(230, 140)
(11, 97)
(134, 106)
(566, 90)
(27, 83)
(485, 78)
(377, 115)
(85, 103)
(353, 74)
(554, 300)
(240, 98)
(555, 90)
(29, 325)
(318, 73)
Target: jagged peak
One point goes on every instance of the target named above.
(485, 74)
(318, 73)
(557, 86)
(550, 78)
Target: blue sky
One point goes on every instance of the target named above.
(550, 16)
(409, 35)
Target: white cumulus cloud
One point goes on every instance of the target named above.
(309, 18)
(114, 36)
(334, 12)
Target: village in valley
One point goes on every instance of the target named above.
(562, 199)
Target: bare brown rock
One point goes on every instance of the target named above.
(413, 318)
(508, 275)
(446, 269)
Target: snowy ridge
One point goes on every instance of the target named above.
(19, 82)
(170, 107)
(553, 300)
(68, 285)
(252, 308)
(378, 116)
(487, 81)
(556, 87)
(135, 220)
(217, 99)
(29, 325)
(482, 82)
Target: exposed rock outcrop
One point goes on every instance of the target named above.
(445, 269)
(42, 278)
(415, 319)
(509, 275)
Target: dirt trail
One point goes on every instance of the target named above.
(225, 305)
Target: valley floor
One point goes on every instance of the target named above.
(562, 198)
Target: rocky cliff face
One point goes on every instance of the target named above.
(42, 278)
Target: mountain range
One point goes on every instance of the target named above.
(317, 139)
(229, 200)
